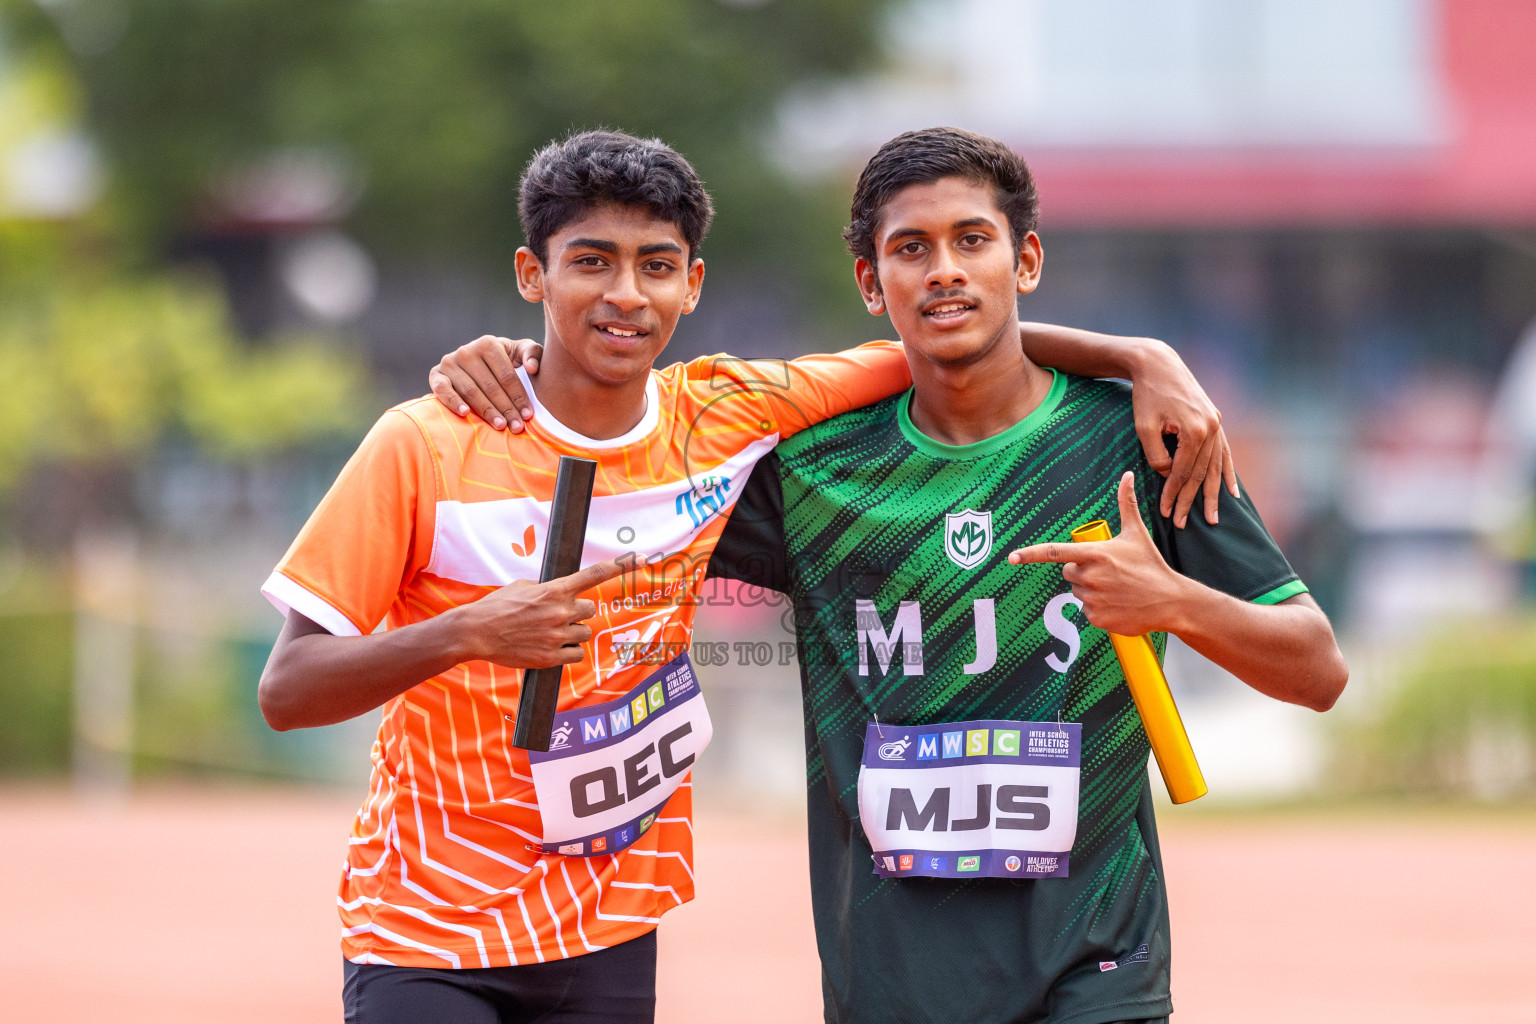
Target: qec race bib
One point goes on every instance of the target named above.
(611, 767)
(971, 799)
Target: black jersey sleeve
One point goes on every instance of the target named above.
(1237, 556)
(751, 547)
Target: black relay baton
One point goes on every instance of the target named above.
(562, 556)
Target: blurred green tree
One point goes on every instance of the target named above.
(1460, 722)
(440, 103)
(141, 355)
(146, 357)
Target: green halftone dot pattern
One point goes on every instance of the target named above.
(865, 507)
(865, 514)
(864, 518)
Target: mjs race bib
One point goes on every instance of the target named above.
(611, 767)
(971, 799)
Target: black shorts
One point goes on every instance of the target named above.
(616, 985)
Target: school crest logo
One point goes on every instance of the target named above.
(968, 537)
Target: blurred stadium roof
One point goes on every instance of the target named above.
(1217, 112)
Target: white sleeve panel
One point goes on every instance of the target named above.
(287, 595)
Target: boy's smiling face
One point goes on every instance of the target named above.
(616, 281)
(947, 272)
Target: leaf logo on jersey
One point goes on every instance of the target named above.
(968, 537)
(524, 549)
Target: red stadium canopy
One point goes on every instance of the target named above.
(1484, 175)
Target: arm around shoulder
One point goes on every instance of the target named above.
(1166, 399)
(806, 390)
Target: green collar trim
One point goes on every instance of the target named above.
(988, 446)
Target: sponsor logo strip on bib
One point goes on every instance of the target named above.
(612, 767)
(971, 799)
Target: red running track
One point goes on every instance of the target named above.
(216, 906)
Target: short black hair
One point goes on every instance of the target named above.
(923, 157)
(570, 176)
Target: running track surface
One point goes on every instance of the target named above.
(216, 906)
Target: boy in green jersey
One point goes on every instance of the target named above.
(1027, 886)
(1012, 891)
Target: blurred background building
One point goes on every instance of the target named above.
(231, 235)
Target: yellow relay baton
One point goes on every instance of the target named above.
(1154, 701)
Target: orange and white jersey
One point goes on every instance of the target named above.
(432, 511)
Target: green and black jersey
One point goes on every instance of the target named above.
(864, 514)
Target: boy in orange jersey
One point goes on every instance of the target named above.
(483, 883)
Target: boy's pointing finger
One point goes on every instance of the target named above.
(593, 575)
(1036, 554)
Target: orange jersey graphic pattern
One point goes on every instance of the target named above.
(433, 512)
